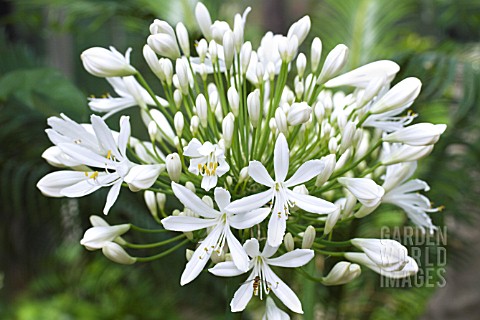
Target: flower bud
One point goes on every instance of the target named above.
(420, 134)
(332, 219)
(177, 98)
(202, 109)
(228, 49)
(271, 70)
(153, 62)
(238, 29)
(213, 51)
(281, 120)
(347, 136)
(335, 61)
(181, 69)
(183, 40)
(388, 254)
(203, 19)
(244, 174)
(245, 56)
(299, 89)
(174, 166)
(300, 29)
(272, 124)
(161, 200)
(316, 54)
(228, 125)
(202, 49)
(343, 272)
(301, 64)
(233, 100)
(194, 123)
(104, 63)
(178, 122)
(365, 190)
(152, 130)
(299, 113)
(167, 69)
(308, 237)
(372, 89)
(116, 253)
(208, 200)
(288, 242)
(151, 203)
(164, 44)
(219, 28)
(190, 186)
(401, 96)
(254, 108)
(189, 254)
(333, 145)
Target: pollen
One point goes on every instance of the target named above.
(94, 175)
(109, 154)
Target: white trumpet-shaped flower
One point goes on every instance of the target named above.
(218, 222)
(402, 192)
(279, 193)
(207, 160)
(420, 134)
(365, 190)
(107, 165)
(105, 63)
(263, 279)
(343, 272)
(130, 92)
(101, 233)
(410, 266)
(389, 255)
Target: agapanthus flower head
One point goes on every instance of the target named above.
(260, 146)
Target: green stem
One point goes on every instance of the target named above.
(153, 245)
(163, 254)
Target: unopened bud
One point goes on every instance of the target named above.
(174, 166)
(149, 197)
(208, 200)
(228, 125)
(299, 113)
(233, 100)
(194, 123)
(254, 108)
(343, 272)
(228, 48)
(245, 56)
(288, 242)
(335, 61)
(116, 253)
(316, 54)
(189, 254)
(178, 123)
(190, 186)
(152, 130)
(244, 174)
(301, 64)
(308, 237)
(202, 109)
(329, 165)
(281, 120)
(183, 40)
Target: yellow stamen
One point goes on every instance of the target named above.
(109, 154)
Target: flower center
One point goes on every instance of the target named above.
(209, 168)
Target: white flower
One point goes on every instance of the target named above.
(409, 268)
(109, 156)
(401, 96)
(365, 190)
(389, 255)
(341, 273)
(263, 279)
(98, 236)
(207, 160)
(116, 253)
(105, 63)
(279, 193)
(130, 92)
(334, 62)
(218, 222)
(362, 76)
(397, 153)
(162, 40)
(420, 134)
(298, 113)
(273, 312)
(404, 194)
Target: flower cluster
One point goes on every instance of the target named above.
(287, 156)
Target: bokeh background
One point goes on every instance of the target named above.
(46, 274)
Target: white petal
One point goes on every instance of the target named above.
(185, 223)
(283, 292)
(252, 248)
(208, 182)
(124, 135)
(86, 156)
(273, 312)
(243, 295)
(52, 184)
(281, 158)
(191, 150)
(191, 201)
(276, 229)
(310, 203)
(239, 256)
(104, 135)
(112, 196)
(86, 187)
(249, 219)
(257, 171)
(200, 257)
(268, 250)
(292, 259)
(222, 198)
(249, 203)
(225, 269)
(142, 177)
(307, 171)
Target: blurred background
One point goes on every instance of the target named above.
(46, 274)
